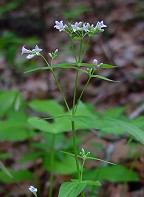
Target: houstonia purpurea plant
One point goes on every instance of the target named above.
(80, 34)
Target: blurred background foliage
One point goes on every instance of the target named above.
(24, 150)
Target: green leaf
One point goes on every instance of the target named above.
(139, 122)
(14, 131)
(71, 189)
(101, 77)
(112, 173)
(61, 65)
(114, 112)
(108, 66)
(50, 107)
(11, 176)
(41, 124)
(89, 182)
(84, 122)
(30, 156)
(64, 165)
(36, 69)
(7, 100)
(127, 127)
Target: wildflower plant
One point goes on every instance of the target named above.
(82, 32)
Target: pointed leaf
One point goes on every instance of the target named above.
(108, 66)
(112, 173)
(50, 107)
(41, 124)
(101, 77)
(127, 127)
(89, 182)
(71, 189)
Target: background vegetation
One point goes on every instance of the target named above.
(25, 150)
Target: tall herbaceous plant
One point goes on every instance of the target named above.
(79, 34)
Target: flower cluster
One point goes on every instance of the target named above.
(54, 54)
(31, 53)
(81, 26)
(84, 154)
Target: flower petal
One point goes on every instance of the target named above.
(30, 56)
(24, 50)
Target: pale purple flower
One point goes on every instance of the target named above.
(33, 190)
(24, 50)
(31, 53)
(59, 25)
(86, 27)
(95, 62)
(100, 25)
(36, 50)
(77, 26)
(30, 56)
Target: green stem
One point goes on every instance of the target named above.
(60, 89)
(75, 148)
(86, 48)
(82, 92)
(76, 80)
(56, 82)
(75, 92)
(73, 49)
(82, 168)
(80, 52)
(82, 194)
(51, 163)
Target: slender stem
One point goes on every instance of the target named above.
(73, 49)
(87, 45)
(82, 194)
(51, 163)
(80, 51)
(76, 80)
(82, 92)
(56, 80)
(60, 89)
(75, 91)
(75, 148)
(74, 101)
(82, 168)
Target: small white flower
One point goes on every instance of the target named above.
(30, 56)
(31, 53)
(86, 27)
(33, 190)
(24, 50)
(77, 26)
(36, 50)
(95, 62)
(100, 25)
(60, 26)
